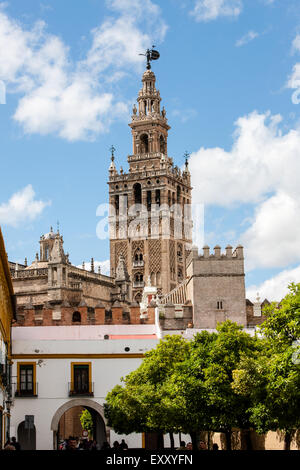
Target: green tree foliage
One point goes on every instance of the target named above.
(184, 386)
(86, 421)
(216, 382)
(271, 381)
(282, 326)
(139, 405)
(228, 409)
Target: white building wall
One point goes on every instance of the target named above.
(54, 373)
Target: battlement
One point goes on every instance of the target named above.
(217, 255)
(230, 263)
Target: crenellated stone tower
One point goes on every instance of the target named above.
(150, 221)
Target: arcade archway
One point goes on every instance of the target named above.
(26, 437)
(66, 422)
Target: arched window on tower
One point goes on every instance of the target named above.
(144, 143)
(162, 144)
(138, 280)
(137, 189)
(138, 258)
(179, 253)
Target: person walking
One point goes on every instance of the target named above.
(202, 445)
(123, 445)
(105, 446)
(9, 446)
(15, 443)
(93, 445)
(116, 445)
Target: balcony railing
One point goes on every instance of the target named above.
(26, 391)
(138, 283)
(137, 264)
(84, 390)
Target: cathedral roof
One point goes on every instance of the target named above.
(49, 236)
(37, 265)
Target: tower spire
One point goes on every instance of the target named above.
(149, 123)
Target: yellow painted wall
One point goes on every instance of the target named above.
(6, 292)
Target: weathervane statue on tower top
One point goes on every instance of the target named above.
(112, 149)
(151, 54)
(186, 156)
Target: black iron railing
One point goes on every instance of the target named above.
(84, 389)
(25, 390)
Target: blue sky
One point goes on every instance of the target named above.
(229, 76)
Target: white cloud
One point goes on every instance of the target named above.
(294, 79)
(276, 288)
(274, 237)
(262, 159)
(262, 168)
(208, 10)
(21, 207)
(296, 44)
(247, 38)
(74, 99)
(104, 266)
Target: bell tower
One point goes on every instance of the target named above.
(149, 124)
(150, 220)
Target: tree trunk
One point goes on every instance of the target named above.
(208, 440)
(248, 440)
(172, 440)
(287, 440)
(194, 440)
(228, 439)
(160, 440)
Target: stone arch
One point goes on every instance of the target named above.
(85, 402)
(76, 402)
(138, 277)
(138, 255)
(26, 438)
(144, 140)
(137, 191)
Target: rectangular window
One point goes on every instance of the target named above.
(26, 379)
(108, 316)
(220, 305)
(149, 200)
(81, 379)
